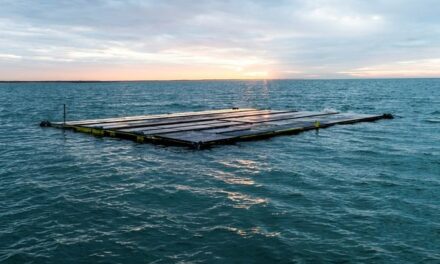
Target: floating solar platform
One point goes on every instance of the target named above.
(205, 128)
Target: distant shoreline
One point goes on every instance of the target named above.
(201, 80)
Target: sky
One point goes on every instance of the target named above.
(218, 39)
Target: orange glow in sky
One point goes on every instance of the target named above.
(249, 39)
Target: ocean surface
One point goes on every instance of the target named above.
(363, 193)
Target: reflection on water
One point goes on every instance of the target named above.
(232, 179)
(252, 232)
(249, 166)
(244, 201)
(256, 93)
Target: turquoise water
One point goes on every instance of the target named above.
(364, 193)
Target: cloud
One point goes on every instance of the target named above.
(419, 68)
(238, 39)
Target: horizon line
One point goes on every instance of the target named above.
(219, 79)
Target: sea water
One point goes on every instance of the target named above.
(363, 193)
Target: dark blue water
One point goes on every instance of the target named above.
(364, 193)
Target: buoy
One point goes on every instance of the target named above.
(388, 116)
(317, 124)
(45, 123)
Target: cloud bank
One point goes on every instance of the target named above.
(177, 39)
